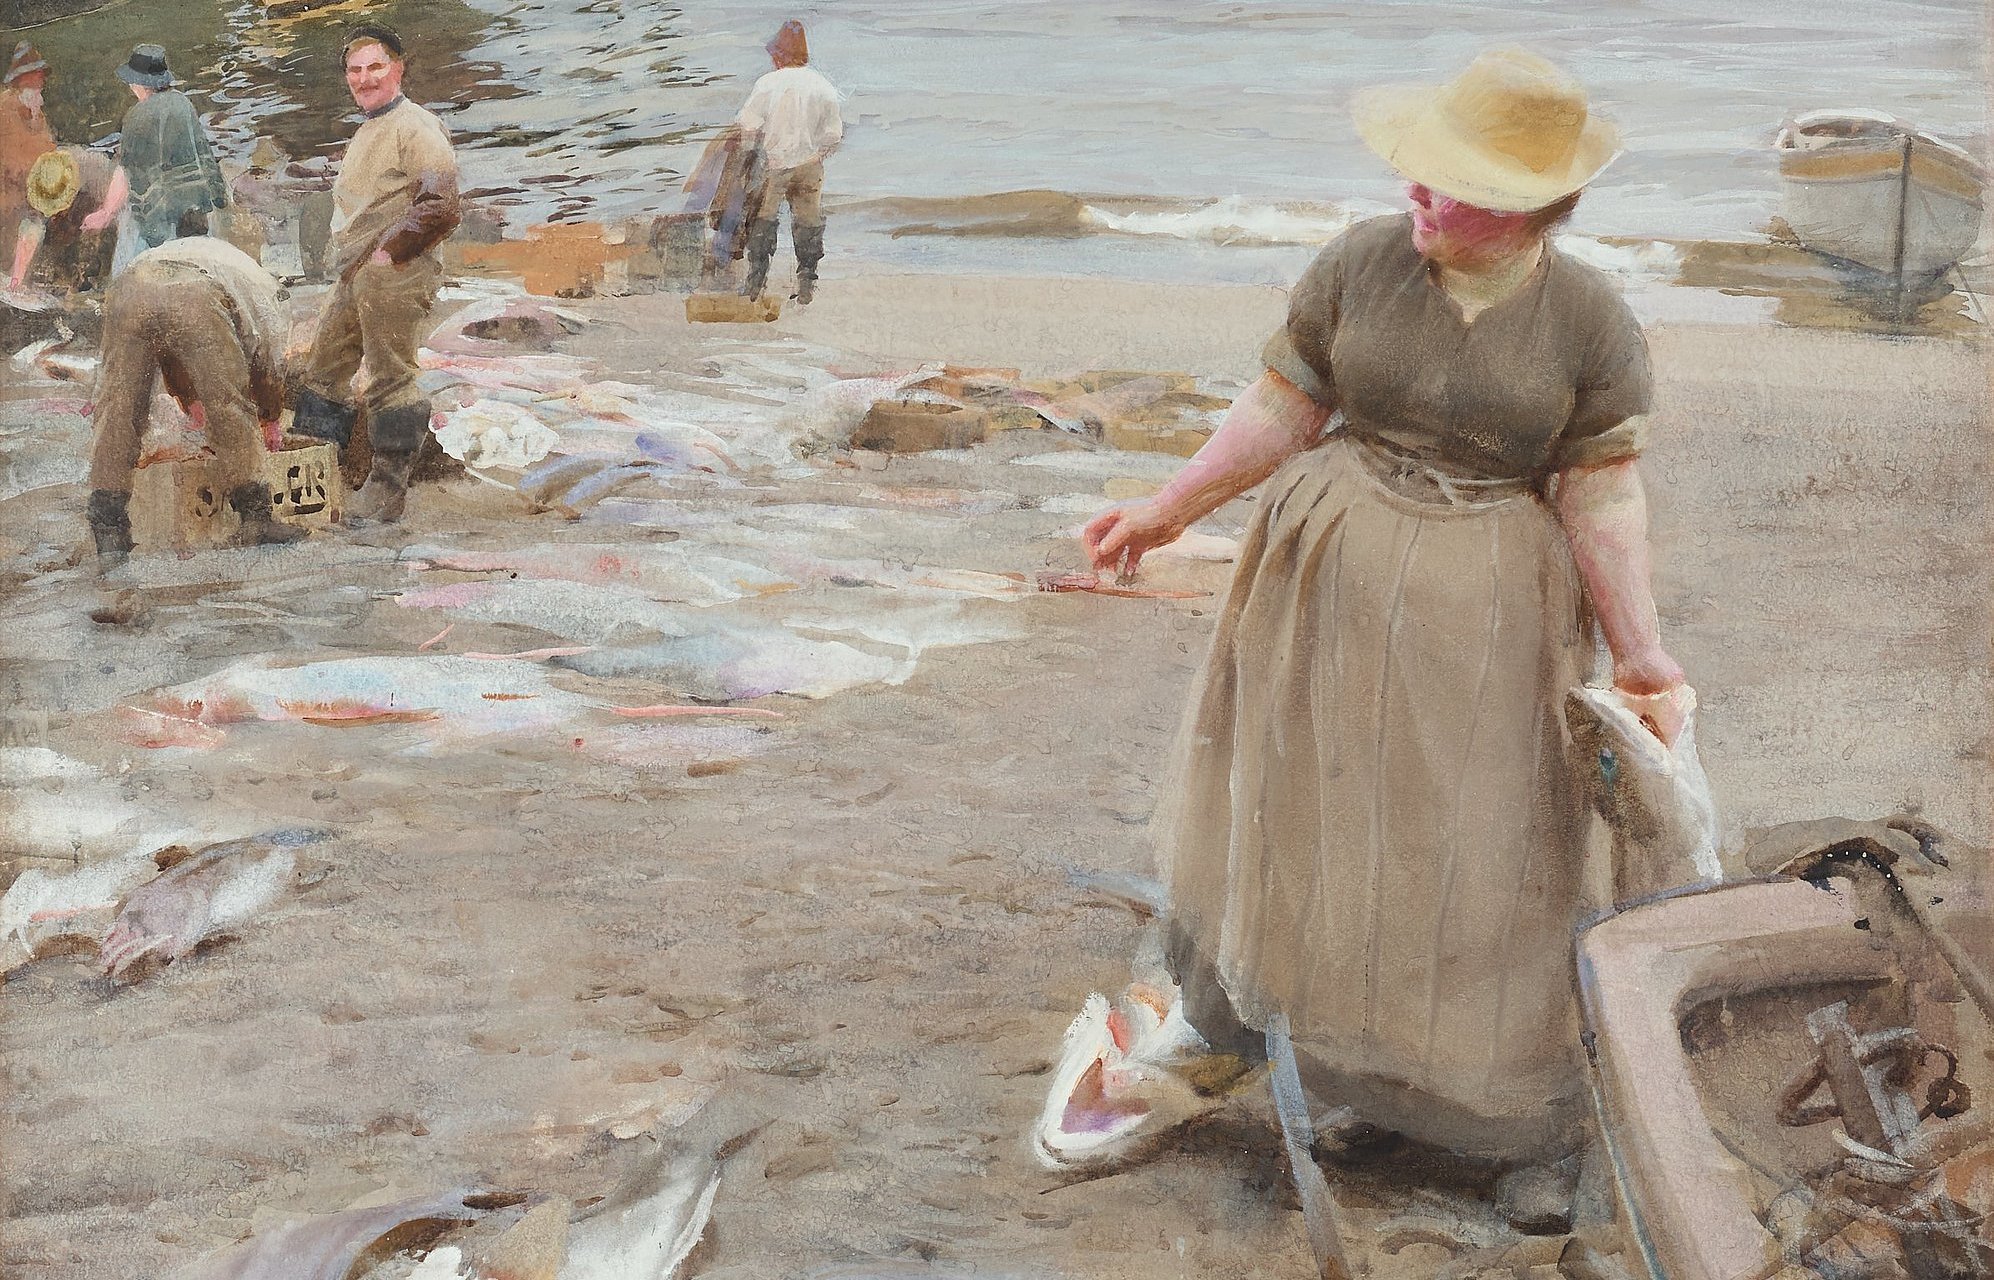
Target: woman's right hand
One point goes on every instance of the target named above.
(1119, 538)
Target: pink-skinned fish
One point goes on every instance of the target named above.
(211, 892)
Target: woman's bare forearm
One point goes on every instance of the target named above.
(1604, 511)
(116, 194)
(1269, 423)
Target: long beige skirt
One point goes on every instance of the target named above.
(1375, 828)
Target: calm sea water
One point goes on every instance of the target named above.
(597, 108)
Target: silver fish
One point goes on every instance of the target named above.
(648, 1226)
(1654, 797)
(329, 1246)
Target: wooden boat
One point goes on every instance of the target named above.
(296, 8)
(1741, 1106)
(1870, 190)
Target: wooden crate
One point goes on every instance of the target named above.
(913, 427)
(1181, 439)
(183, 506)
(731, 308)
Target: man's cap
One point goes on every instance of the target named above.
(372, 33)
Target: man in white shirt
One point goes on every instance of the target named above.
(793, 114)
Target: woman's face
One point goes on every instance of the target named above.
(1459, 235)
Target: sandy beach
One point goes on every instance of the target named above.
(526, 942)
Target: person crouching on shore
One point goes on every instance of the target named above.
(201, 314)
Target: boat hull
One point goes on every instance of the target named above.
(1849, 197)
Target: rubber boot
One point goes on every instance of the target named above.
(260, 527)
(397, 436)
(809, 252)
(109, 515)
(761, 250)
(322, 419)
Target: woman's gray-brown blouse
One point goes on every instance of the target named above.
(1547, 378)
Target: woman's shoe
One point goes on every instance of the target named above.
(1344, 1138)
(1536, 1199)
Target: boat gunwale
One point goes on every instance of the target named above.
(1786, 142)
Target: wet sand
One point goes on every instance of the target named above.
(875, 911)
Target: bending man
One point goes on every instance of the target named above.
(201, 313)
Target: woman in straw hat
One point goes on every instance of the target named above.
(1376, 832)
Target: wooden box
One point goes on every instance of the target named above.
(911, 427)
(1180, 439)
(183, 505)
(731, 308)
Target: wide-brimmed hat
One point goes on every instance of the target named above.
(1512, 133)
(25, 62)
(147, 68)
(53, 181)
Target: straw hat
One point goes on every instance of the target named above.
(1511, 133)
(53, 181)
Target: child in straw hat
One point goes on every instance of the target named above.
(64, 187)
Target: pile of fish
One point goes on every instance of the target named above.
(502, 410)
(1127, 410)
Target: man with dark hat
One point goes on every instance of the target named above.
(166, 171)
(793, 113)
(201, 314)
(24, 134)
(395, 200)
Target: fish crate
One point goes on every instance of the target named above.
(912, 427)
(731, 308)
(182, 505)
(1181, 439)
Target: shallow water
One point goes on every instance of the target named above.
(596, 108)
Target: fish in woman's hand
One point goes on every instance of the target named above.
(1653, 796)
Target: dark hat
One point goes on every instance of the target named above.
(147, 68)
(372, 33)
(788, 47)
(26, 62)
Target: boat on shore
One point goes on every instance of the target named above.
(296, 8)
(1875, 193)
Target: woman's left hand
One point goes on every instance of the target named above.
(1652, 684)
